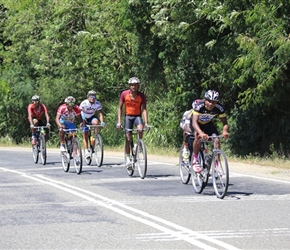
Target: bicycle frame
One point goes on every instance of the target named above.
(96, 147)
(73, 151)
(215, 163)
(138, 154)
(40, 147)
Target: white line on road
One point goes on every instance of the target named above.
(172, 229)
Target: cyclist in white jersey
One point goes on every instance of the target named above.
(88, 108)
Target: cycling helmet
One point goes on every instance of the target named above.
(35, 98)
(70, 100)
(92, 92)
(212, 95)
(134, 80)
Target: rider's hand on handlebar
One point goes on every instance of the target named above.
(147, 127)
(203, 136)
(103, 124)
(48, 125)
(31, 125)
(119, 126)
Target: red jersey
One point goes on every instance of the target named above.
(66, 115)
(133, 105)
(36, 112)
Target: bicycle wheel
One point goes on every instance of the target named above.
(88, 160)
(220, 174)
(65, 159)
(35, 153)
(98, 150)
(131, 169)
(141, 157)
(198, 178)
(77, 155)
(42, 148)
(184, 170)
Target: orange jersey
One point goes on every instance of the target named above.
(133, 105)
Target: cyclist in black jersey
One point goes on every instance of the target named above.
(203, 113)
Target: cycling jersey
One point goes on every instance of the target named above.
(89, 109)
(36, 113)
(66, 115)
(204, 115)
(133, 105)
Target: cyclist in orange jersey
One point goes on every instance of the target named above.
(134, 103)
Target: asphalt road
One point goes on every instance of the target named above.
(42, 207)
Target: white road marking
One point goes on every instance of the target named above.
(167, 227)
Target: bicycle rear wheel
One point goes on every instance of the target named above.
(42, 148)
(77, 155)
(220, 174)
(184, 170)
(98, 150)
(141, 158)
(65, 159)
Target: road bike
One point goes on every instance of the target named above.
(95, 143)
(138, 155)
(184, 167)
(73, 151)
(214, 164)
(40, 147)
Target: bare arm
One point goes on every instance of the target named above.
(197, 128)
(120, 112)
(225, 127)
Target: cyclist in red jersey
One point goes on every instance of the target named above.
(65, 118)
(35, 112)
(134, 102)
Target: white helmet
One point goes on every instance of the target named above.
(134, 80)
(212, 95)
(35, 98)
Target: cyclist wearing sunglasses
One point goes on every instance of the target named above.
(65, 117)
(89, 107)
(203, 114)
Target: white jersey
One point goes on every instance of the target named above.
(89, 109)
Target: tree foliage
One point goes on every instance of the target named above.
(178, 49)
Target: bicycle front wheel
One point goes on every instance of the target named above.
(198, 179)
(65, 159)
(220, 174)
(141, 156)
(42, 148)
(184, 170)
(35, 153)
(98, 150)
(77, 155)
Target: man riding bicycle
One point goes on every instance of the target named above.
(135, 107)
(88, 107)
(203, 113)
(65, 117)
(35, 112)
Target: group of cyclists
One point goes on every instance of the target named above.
(197, 121)
(65, 116)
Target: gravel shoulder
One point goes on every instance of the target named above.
(235, 167)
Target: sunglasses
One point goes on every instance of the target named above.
(213, 102)
(92, 96)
